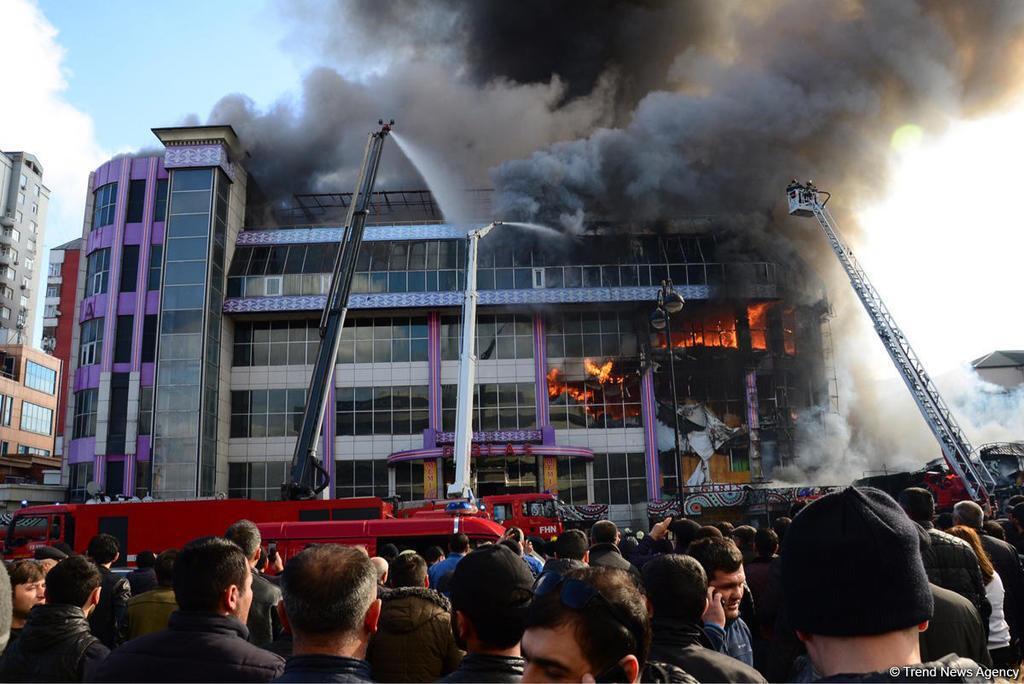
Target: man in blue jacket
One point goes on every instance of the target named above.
(723, 563)
(458, 546)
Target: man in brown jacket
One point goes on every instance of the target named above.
(149, 611)
(414, 640)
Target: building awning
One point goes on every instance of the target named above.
(492, 449)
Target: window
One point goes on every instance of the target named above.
(5, 313)
(11, 254)
(136, 201)
(79, 475)
(276, 343)
(145, 410)
(160, 205)
(91, 345)
(21, 198)
(53, 272)
(26, 450)
(30, 263)
(594, 394)
(97, 268)
(104, 203)
(6, 407)
(620, 478)
(572, 480)
(19, 217)
(409, 481)
(267, 413)
(361, 477)
(23, 301)
(383, 340)
(51, 291)
(398, 410)
(84, 423)
(259, 481)
(117, 428)
(148, 350)
(33, 228)
(591, 335)
(13, 234)
(156, 255)
(123, 339)
(39, 377)
(23, 182)
(496, 406)
(36, 189)
(129, 268)
(35, 418)
(35, 207)
(6, 291)
(505, 336)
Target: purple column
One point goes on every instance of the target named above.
(434, 371)
(114, 274)
(540, 372)
(649, 412)
(142, 278)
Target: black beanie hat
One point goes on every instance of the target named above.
(851, 566)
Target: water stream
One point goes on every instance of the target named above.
(448, 190)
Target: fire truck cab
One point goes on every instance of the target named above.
(535, 514)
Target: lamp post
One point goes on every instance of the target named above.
(670, 302)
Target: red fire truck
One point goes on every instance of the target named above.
(158, 525)
(535, 514)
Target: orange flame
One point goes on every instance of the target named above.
(757, 317)
(579, 393)
(789, 331)
(716, 328)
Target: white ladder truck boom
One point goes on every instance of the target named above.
(463, 486)
(979, 483)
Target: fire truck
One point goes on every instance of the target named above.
(537, 515)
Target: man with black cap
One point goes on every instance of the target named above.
(857, 593)
(491, 590)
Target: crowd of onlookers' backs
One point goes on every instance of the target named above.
(852, 587)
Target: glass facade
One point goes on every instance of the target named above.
(40, 377)
(361, 477)
(501, 336)
(383, 340)
(620, 478)
(267, 413)
(35, 418)
(104, 205)
(392, 410)
(97, 272)
(261, 480)
(496, 406)
(86, 405)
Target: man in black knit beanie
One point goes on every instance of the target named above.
(857, 593)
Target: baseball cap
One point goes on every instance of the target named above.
(492, 579)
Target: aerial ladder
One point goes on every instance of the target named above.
(308, 478)
(462, 486)
(804, 200)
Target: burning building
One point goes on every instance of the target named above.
(198, 386)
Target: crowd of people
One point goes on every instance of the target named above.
(855, 586)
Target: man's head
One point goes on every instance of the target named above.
(104, 549)
(744, 538)
(994, 529)
(853, 576)
(382, 567)
(677, 587)
(164, 567)
(1017, 515)
(409, 570)
(969, 514)
(458, 543)
(212, 574)
(330, 597)
(28, 587)
(490, 591)
(572, 545)
(780, 525)
(74, 582)
(145, 559)
(725, 528)
(515, 533)
(766, 542)
(685, 531)
(723, 565)
(918, 504)
(709, 532)
(247, 536)
(604, 532)
(512, 545)
(434, 554)
(590, 621)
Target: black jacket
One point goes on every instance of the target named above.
(935, 666)
(195, 647)
(142, 580)
(264, 623)
(477, 667)
(608, 555)
(325, 668)
(950, 562)
(684, 644)
(955, 627)
(109, 621)
(562, 565)
(55, 646)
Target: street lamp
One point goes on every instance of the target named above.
(670, 302)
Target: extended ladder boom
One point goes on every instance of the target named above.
(804, 201)
(308, 477)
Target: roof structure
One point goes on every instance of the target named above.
(1000, 359)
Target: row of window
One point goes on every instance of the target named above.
(40, 377)
(361, 477)
(496, 406)
(105, 203)
(90, 347)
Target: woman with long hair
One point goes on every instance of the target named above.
(998, 630)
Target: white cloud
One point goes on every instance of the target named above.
(41, 121)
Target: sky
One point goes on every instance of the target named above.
(943, 245)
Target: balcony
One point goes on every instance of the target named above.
(7, 219)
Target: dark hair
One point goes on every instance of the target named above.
(25, 572)
(458, 543)
(433, 554)
(1017, 512)
(685, 531)
(744, 537)
(388, 552)
(918, 503)
(993, 529)
(780, 525)
(204, 569)
(408, 570)
(603, 532)
(328, 589)
(71, 581)
(944, 520)
(246, 535)
(606, 630)
(716, 555)
(708, 532)
(571, 544)
(517, 534)
(766, 542)
(164, 567)
(677, 586)
(725, 528)
(1014, 500)
(145, 559)
(103, 548)
(512, 545)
